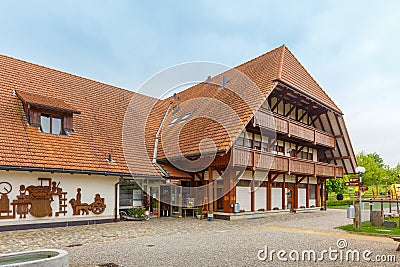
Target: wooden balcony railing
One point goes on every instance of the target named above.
(244, 157)
(293, 128)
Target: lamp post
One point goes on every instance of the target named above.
(360, 171)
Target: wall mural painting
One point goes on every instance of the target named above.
(79, 208)
(36, 200)
(5, 212)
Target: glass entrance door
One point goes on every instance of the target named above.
(154, 200)
(290, 196)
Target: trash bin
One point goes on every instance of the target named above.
(236, 207)
(351, 212)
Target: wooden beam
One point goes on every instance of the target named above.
(338, 158)
(294, 105)
(219, 171)
(345, 144)
(323, 128)
(307, 193)
(252, 194)
(201, 177)
(269, 192)
(302, 178)
(279, 100)
(283, 193)
(305, 113)
(299, 150)
(314, 119)
(274, 178)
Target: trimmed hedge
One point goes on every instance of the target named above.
(339, 202)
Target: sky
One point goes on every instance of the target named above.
(349, 47)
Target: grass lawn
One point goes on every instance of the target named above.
(367, 228)
(338, 207)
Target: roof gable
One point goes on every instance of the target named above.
(292, 72)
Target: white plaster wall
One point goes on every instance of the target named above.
(243, 197)
(260, 198)
(279, 179)
(247, 175)
(249, 135)
(265, 104)
(301, 197)
(315, 154)
(90, 185)
(276, 198)
(280, 108)
(290, 179)
(260, 176)
(312, 180)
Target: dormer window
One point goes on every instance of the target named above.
(51, 115)
(51, 124)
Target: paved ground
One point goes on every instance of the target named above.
(192, 242)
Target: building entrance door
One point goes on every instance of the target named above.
(290, 196)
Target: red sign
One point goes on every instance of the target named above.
(364, 188)
(354, 180)
(351, 184)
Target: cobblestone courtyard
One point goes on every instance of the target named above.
(192, 242)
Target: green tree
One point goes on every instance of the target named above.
(376, 171)
(335, 186)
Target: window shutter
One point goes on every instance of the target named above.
(68, 122)
(34, 117)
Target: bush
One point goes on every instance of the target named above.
(339, 202)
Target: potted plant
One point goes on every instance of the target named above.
(137, 213)
(199, 211)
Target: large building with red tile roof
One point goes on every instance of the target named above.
(263, 136)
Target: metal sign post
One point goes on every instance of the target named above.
(360, 171)
(360, 193)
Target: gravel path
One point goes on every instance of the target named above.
(192, 242)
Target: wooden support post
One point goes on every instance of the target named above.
(325, 193)
(307, 193)
(215, 195)
(268, 196)
(210, 195)
(318, 193)
(226, 201)
(356, 222)
(252, 197)
(283, 193)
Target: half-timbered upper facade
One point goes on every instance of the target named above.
(292, 137)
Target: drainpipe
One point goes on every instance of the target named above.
(158, 134)
(116, 200)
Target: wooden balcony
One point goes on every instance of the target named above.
(291, 128)
(248, 158)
